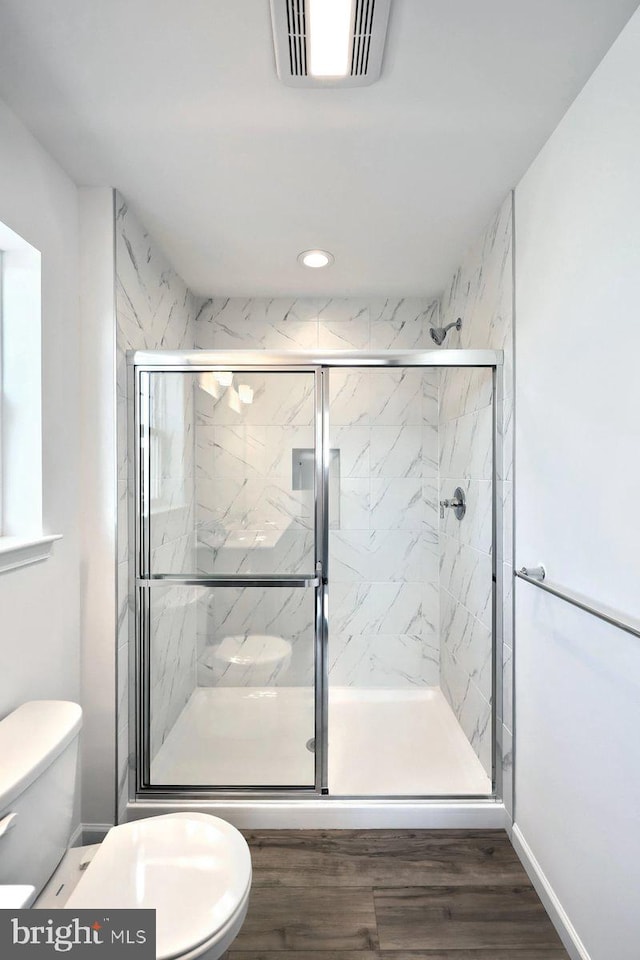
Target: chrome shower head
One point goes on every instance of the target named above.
(439, 333)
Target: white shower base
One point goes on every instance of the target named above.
(400, 742)
(382, 742)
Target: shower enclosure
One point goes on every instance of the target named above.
(316, 545)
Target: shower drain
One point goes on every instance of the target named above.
(311, 745)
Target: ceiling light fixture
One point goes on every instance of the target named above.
(329, 43)
(315, 258)
(329, 36)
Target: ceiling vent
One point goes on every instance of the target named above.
(291, 33)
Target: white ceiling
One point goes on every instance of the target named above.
(176, 103)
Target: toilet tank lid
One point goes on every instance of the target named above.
(30, 740)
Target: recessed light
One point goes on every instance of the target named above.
(315, 258)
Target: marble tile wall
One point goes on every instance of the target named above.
(154, 309)
(307, 323)
(383, 538)
(251, 519)
(383, 541)
(466, 576)
(481, 293)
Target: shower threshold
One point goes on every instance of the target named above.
(382, 742)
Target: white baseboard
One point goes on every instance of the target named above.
(76, 837)
(566, 931)
(93, 833)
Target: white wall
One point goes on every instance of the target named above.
(98, 424)
(40, 604)
(577, 466)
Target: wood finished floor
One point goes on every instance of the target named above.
(391, 895)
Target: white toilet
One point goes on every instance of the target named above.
(192, 868)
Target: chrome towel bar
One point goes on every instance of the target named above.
(537, 577)
(228, 580)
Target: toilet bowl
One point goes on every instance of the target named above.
(193, 869)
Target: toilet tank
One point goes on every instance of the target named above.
(38, 768)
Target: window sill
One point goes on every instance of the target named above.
(19, 552)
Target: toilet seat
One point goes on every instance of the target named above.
(223, 939)
(192, 868)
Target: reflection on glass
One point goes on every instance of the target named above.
(222, 493)
(232, 686)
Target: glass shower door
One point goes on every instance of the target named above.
(411, 577)
(229, 578)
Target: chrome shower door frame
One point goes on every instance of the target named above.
(145, 580)
(142, 364)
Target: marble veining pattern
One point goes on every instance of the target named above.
(383, 597)
(383, 516)
(154, 310)
(481, 293)
(383, 660)
(307, 323)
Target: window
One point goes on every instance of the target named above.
(21, 536)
